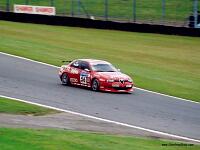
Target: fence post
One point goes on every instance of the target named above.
(163, 11)
(195, 13)
(134, 10)
(27, 2)
(72, 8)
(79, 7)
(7, 5)
(51, 2)
(106, 9)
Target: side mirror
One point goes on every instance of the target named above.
(87, 70)
(118, 70)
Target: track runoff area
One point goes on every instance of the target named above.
(102, 119)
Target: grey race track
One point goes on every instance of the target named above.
(40, 83)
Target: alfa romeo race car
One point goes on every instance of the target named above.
(95, 74)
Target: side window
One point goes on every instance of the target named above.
(76, 64)
(84, 65)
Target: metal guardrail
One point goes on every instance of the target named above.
(166, 12)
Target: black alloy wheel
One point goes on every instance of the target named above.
(65, 79)
(95, 85)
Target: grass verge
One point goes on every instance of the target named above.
(41, 139)
(51, 139)
(14, 107)
(162, 63)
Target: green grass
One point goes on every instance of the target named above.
(146, 10)
(47, 139)
(162, 63)
(51, 139)
(15, 107)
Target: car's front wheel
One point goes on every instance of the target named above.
(65, 79)
(95, 85)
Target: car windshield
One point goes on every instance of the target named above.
(103, 68)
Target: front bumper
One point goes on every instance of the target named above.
(117, 87)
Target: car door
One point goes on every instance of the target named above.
(75, 72)
(84, 73)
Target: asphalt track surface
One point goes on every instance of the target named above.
(39, 83)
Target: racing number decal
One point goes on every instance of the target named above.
(83, 77)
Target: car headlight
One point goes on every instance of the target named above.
(129, 86)
(102, 79)
(130, 80)
(110, 80)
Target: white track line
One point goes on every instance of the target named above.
(167, 95)
(106, 120)
(135, 87)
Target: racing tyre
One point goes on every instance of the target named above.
(65, 79)
(95, 85)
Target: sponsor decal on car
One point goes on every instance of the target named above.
(67, 69)
(115, 85)
(73, 80)
(74, 71)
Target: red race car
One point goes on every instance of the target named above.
(95, 74)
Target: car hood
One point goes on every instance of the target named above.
(113, 75)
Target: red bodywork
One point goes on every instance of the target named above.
(109, 81)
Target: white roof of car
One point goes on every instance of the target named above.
(95, 61)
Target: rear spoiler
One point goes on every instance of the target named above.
(68, 61)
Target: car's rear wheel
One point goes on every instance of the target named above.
(95, 85)
(65, 79)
